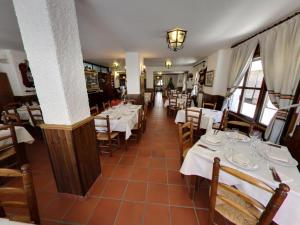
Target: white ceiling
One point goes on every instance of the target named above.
(109, 28)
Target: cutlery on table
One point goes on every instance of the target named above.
(274, 145)
(208, 148)
(275, 175)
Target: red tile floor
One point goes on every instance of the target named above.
(141, 186)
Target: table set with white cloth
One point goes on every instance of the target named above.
(254, 158)
(4, 221)
(23, 136)
(122, 118)
(147, 97)
(181, 101)
(209, 116)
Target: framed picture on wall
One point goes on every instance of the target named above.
(209, 78)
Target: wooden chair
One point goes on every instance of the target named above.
(238, 207)
(36, 115)
(188, 103)
(137, 130)
(106, 137)
(223, 123)
(243, 127)
(94, 110)
(106, 105)
(12, 119)
(194, 116)
(209, 105)
(27, 190)
(11, 108)
(173, 106)
(9, 149)
(185, 133)
(144, 119)
(131, 101)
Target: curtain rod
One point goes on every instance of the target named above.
(268, 28)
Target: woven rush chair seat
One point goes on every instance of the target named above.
(234, 215)
(105, 137)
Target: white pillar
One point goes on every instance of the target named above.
(50, 37)
(134, 63)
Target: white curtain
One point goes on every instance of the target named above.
(280, 54)
(242, 56)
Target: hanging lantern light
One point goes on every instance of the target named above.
(168, 64)
(176, 38)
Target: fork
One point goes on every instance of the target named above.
(276, 177)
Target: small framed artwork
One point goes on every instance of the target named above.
(209, 78)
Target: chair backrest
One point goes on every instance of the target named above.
(27, 190)
(185, 134)
(243, 127)
(35, 114)
(188, 103)
(106, 105)
(145, 112)
(173, 102)
(193, 116)
(262, 216)
(94, 110)
(104, 125)
(10, 138)
(209, 105)
(12, 119)
(140, 118)
(11, 108)
(224, 119)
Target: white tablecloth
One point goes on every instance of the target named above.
(147, 97)
(4, 221)
(23, 136)
(122, 118)
(209, 117)
(199, 162)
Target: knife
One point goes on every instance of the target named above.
(274, 145)
(204, 146)
(275, 175)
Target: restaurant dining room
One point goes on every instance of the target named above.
(149, 112)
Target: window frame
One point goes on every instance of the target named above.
(260, 101)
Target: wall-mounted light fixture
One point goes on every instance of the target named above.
(116, 65)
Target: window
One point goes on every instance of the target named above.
(250, 99)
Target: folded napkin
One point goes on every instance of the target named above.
(213, 139)
(241, 159)
(278, 154)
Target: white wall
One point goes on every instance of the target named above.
(133, 71)
(220, 62)
(151, 69)
(11, 68)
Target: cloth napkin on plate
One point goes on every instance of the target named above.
(213, 138)
(241, 159)
(278, 154)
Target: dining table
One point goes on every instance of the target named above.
(122, 118)
(209, 117)
(253, 157)
(4, 221)
(181, 101)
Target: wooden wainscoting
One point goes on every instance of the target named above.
(139, 98)
(73, 155)
(212, 99)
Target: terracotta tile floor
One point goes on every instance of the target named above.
(139, 187)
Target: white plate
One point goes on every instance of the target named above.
(251, 166)
(291, 163)
(211, 143)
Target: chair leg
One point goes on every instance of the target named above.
(110, 147)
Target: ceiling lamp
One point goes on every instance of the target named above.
(116, 65)
(175, 38)
(168, 64)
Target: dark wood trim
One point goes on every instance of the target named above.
(73, 155)
(139, 98)
(266, 29)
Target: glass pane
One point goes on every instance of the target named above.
(235, 100)
(256, 75)
(249, 102)
(242, 82)
(268, 111)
